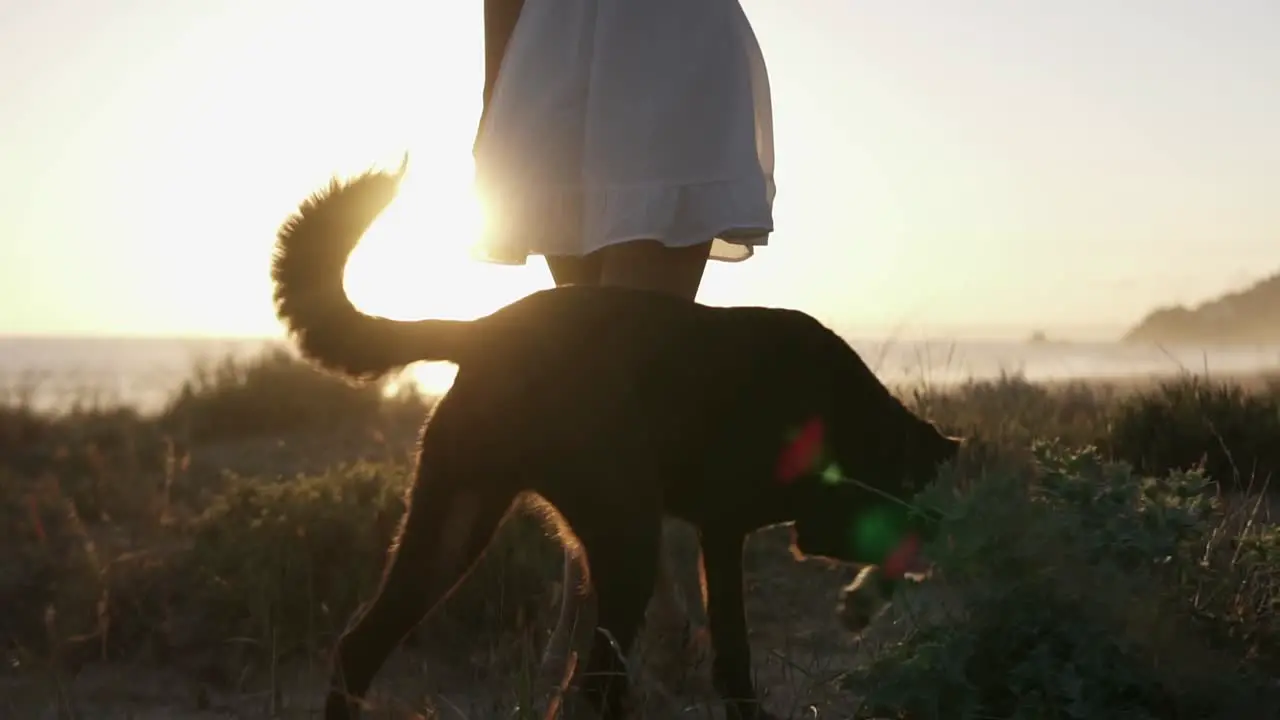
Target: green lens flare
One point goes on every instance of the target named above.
(875, 534)
(832, 474)
(878, 531)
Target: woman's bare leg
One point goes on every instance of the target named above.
(677, 613)
(573, 637)
(643, 264)
(678, 608)
(650, 265)
(571, 270)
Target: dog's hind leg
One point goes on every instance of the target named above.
(571, 641)
(449, 523)
(676, 619)
(575, 594)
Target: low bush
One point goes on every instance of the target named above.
(274, 393)
(1088, 591)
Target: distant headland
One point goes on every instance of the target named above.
(1246, 317)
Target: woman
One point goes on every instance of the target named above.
(627, 142)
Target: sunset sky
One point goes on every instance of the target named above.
(957, 166)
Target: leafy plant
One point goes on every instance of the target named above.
(1079, 583)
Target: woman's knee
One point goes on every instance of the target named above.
(575, 269)
(650, 265)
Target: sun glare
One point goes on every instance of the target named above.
(415, 261)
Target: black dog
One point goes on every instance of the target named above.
(615, 406)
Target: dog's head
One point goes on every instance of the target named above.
(875, 488)
(876, 455)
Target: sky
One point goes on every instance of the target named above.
(962, 167)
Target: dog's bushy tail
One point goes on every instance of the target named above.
(311, 252)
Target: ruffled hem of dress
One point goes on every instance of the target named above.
(737, 214)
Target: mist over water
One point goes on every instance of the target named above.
(55, 372)
(942, 362)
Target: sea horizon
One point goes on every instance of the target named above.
(1077, 333)
(51, 371)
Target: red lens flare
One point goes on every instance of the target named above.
(901, 560)
(802, 454)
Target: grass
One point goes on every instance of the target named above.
(1107, 553)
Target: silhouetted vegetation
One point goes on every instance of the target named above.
(1250, 316)
(1107, 553)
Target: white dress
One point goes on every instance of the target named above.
(617, 120)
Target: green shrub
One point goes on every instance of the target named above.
(1087, 592)
(289, 562)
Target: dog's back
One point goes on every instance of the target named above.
(566, 383)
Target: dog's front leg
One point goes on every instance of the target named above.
(727, 616)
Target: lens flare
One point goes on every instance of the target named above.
(803, 452)
(903, 557)
(875, 534)
(882, 534)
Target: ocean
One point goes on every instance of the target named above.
(56, 372)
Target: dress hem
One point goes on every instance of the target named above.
(735, 214)
(746, 244)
